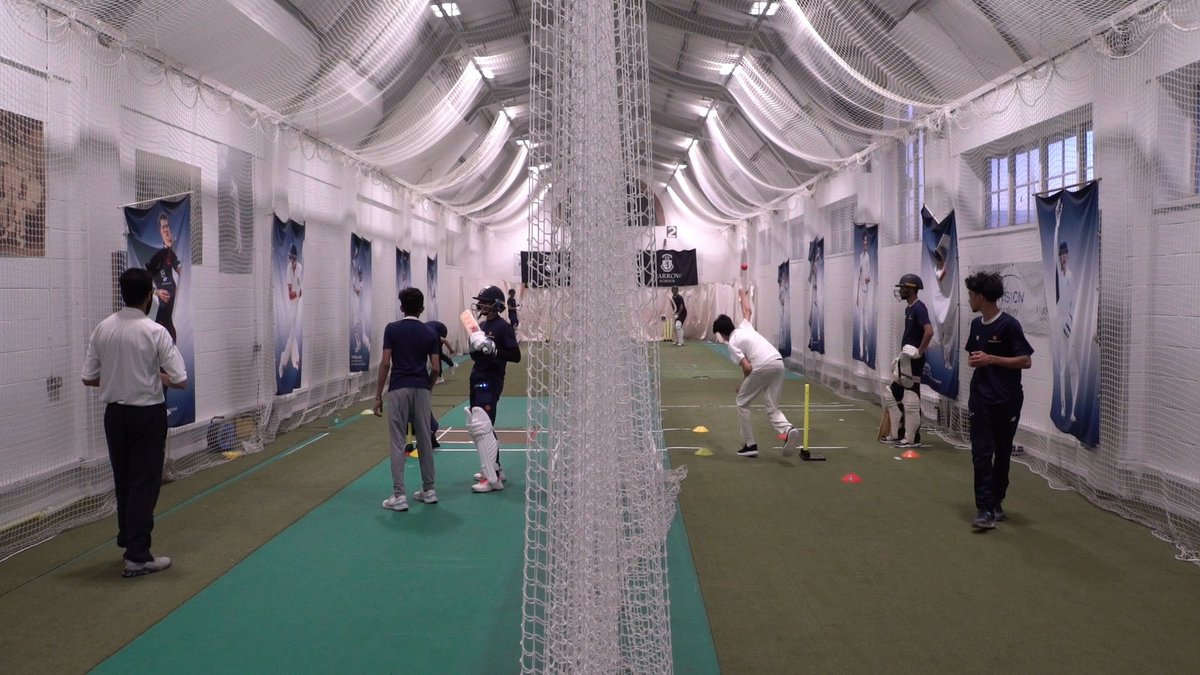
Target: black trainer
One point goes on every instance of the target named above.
(984, 520)
(748, 451)
(999, 515)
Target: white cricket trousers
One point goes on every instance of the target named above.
(766, 380)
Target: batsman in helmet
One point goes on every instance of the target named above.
(493, 345)
(907, 368)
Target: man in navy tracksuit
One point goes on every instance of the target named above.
(998, 351)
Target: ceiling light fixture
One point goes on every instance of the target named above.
(445, 9)
(726, 68)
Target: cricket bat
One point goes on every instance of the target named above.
(469, 322)
(885, 424)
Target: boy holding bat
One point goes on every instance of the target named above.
(493, 345)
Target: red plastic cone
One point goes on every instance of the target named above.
(851, 478)
(910, 454)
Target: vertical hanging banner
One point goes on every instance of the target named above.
(1070, 229)
(431, 313)
(159, 239)
(287, 264)
(360, 304)
(816, 295)
(939, 272)
(866, 275)
(784, 279)
(235, 210)
(403, 276)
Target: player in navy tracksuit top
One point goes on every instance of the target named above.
(998, 351)
(491, 352)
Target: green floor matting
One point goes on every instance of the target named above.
(804, 573)
(355, 588)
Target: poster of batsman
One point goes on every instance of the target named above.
(1070, 231)
(287, 263)
(360, 304)
(939, 272)
(866, 248)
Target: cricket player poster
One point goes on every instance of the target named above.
(159, 239)
(866, 275)
(783, 278)
(360, 304)
(939, 273)
(1070, 229)
(287, 264)
(431, 313)
(403, 276)
(816, 295)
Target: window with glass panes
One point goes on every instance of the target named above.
(1013, 178)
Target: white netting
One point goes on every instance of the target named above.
(599, 501)
(352, 115)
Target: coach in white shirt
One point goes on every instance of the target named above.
(763, 373)
(131, 359)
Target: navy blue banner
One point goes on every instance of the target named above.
(784, 279)
(816, 295)
(431, 305)
(939, 273)
(287, 264)
(866, 275)
(403, 276)
(541, 269)
(360, 304)
(1070, 229)
(160, 239)
(664, 268)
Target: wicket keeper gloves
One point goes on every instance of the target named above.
(478, 342)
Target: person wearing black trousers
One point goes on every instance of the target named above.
(998, 351)
(132, 359)
(440, 328)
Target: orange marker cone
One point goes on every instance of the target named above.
(851, 478)
(910, 454)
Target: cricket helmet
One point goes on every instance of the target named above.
(490, 299)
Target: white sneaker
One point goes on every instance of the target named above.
(396, 503)
(426, 496)
(139, 569)
(484, 486)
(792, 444)
(440, 380)
(479, 475)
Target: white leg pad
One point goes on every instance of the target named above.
(893, 409)
(912, 415)
(480, 428)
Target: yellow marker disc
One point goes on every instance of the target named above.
(704, 452)
(701, 429)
